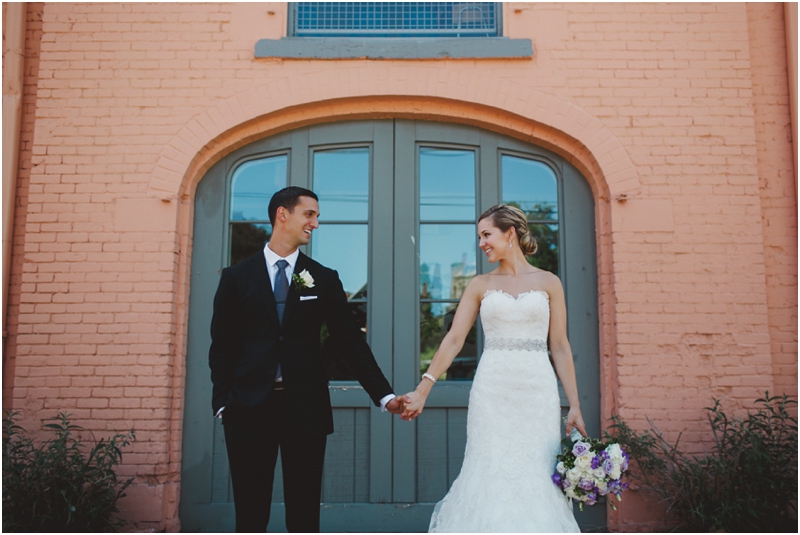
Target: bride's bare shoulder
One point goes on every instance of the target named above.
(550, 282)
(478, 285)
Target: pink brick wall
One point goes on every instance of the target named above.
(31, 74)
(681, 107)
(778, 188)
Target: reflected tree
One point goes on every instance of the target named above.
(247, 239)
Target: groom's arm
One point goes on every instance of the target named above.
(223, 336)
(349, 344)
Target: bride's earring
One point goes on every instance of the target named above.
(509, 245)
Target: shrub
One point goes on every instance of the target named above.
(57, 487)
(748, 483)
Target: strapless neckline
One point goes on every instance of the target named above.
(518, 297)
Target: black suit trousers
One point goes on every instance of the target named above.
(253, 436)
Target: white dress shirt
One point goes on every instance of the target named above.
(272, 259)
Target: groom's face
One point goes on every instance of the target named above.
(301, 220)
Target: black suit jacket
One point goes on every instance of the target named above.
(248, 342)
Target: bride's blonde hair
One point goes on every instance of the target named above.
(504, 217)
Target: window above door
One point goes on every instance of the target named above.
(394, 19)
(394, 30)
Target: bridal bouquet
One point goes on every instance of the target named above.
(589, 468)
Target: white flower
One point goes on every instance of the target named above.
(616, 472)
(584, 462)
(560, 468)
(574, 475)
(614, 453)
(304, 280)
(599, 474)
(602, 486)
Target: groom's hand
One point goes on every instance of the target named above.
(396, 406)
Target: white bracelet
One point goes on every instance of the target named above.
(429, 376)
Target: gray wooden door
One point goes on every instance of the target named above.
(398, 202)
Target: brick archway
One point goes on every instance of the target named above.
(398, 91)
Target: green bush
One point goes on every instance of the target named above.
(748, 483)
(56, 487)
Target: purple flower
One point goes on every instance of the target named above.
(580, 448)
(599, 459)
(556, 479)
(585, 484)
(591, 498)
(616, 487)
(608, 466)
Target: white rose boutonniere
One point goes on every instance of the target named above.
(303, 281)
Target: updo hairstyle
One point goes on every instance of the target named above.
(505, 217)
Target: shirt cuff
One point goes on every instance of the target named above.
(219, 412)
(384, 401)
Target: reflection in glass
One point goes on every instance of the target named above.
(343, 248)
(546, 256)
(253, 185)
(435, 321)
(447, 260)
(446, 184)
(336, 366)
(248, 239)
(531, 186)
(341, 180)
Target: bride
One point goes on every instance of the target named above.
(513, 422)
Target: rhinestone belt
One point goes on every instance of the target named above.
(520, 344)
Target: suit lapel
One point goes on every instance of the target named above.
(294, 296)
(261, 280)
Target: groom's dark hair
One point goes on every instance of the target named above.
(288, 198)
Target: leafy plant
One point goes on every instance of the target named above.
(56, 487)
(748, 483)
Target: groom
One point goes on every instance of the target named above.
(268, 369)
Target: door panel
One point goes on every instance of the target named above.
(394, 195)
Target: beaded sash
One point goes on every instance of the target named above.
(520, 344)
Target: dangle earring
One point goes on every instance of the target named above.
(509, 245)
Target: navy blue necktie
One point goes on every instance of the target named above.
(281, 287)
(281, 291)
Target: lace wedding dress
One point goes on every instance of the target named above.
(513, 428)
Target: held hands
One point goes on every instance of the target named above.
(414, 403)
(395, 405)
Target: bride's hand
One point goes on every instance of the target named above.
(414, 403)
(574, 419)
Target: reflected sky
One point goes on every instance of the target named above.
(253, 185)
(341, 180)
(446, 184)
(343, 248)
(529, 183)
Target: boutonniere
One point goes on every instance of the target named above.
(303, 281)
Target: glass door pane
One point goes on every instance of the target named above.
(447, 245)
(252, 185)
(341, 178)
(531, 185)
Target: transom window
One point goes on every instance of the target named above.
(395, 19)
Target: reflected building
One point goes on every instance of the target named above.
(460, 275)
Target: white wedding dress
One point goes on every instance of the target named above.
(513, 428)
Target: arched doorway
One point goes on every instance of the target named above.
(399, 200)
